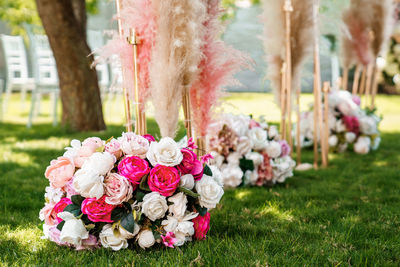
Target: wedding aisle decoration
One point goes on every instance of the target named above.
(249, 152)
(127, 191)
(350, 126)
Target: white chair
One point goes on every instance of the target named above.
(17, 77)
(45, 76)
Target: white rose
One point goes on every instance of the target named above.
(101, 162)
(217, 159)
(368, 125)
(166, 152)
(333, 140)
(256, 157)
(362, 145)
(210, 192)
(244, 145)
(181, 227)
(217, 175)
(350, 137)
(146, 239)
(273, 149)
(273, 132)
(53, 195)
(282, 168)
(187, 181)
(89, 183)
(376, 143)
(238, 123)
(340, 127)
(133, 144)
(251, 177)
(154, 206)
(234, 158)
(232, 175)
(179, 205)
(72, 151)
(108, 238)
(73, 231)
(258, 137)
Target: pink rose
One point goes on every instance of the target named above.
(149, 138)
(169, 239)
(54, 235)
(201, 226)
(89, 146)
(134, 145)
(190, 164)
(114, 147)
(164, 180)
(117, 188)
(264, 171)
(254, 124)
(90, 243)
(48, 215)
(97, 210)
(60, 172)
(60, 206)
(352, 124)
(69, 188)
(133, 168)
(285, 148)
(356, 99)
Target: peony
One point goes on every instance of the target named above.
(73, 231)
(166, 152)
(113, 147)
(164, 180)
(356, 99)
(169, 239)
(234, 158)
(154, 206)
(368, 125)
(285, 148)
(101, 162)
(117, 189)
(88, 183)
(333, 140)
(273, 149)
(362, 145)
(69, 188)
(133, 168)
(232, 175)
(201, 226)
(53, 234)
(258, 137)
(179, 204)
(352, 124)
(60, 172)
(190, 164)
(134, 145)
(210, 192)
(264, 171)
(253, 124)
(89, 146)
(340, 126)
(187, 181)
(146, 239)
(60, 206)
(97, 210)
(239, 123)
(244, 145)
(48, 215)
(53, 195)
(110, 240)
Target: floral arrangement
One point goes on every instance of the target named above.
(126, 191)
(349, 125)
(249, 152)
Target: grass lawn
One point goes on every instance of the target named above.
(348, 214)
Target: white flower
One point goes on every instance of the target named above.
(72, 151)
(187, 181)
(154, 206)
(350, 137)
(333, 140)
(73, 231)
(53, 195)
(282, 168)
(339, 126)
(376, 143)
(273, 149)
(368, 125)
(251, 177)
(258, 137)
(233, 158)
(133, 144)
(101, 162)
(210, 192)
(232, 175)
(244, 145)
(362, 145)
(238, 123)
(179, 205)
(166, 152)
(108, 238)
(217, 159)
(217, 175)
(181, 227)
(146, 239)
(89, 183)
(273, 132)
(256, 157)
(342, 147)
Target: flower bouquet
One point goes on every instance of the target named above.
(349, 125)
(126, 191)
(249, 152)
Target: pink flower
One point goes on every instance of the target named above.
(254, 124)
(69, 188)
(60, 172)
(352, 124)
(89, 146)
(133, 168)
(48, 215)
(97, 210)
(169, 239)
(134, 145)
(356, 99)
(190, 164)
(54, 235)
(201, 226)
(206, 158)
(264, 171)
(285, 148)
(90, 243)
(60, 206)
(117, 188)
(191, 145)
(149, 138)
(114, 147)
(164, 179)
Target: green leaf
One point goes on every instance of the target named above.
(109, 139)
(246, 164)
(60, 225)
(143, 184)
(74, 209)
(139, 196)
(118, 213)
(188, 192)
(77, 199)
(128, 222)
(127, 206)
(207, 170)
(202, 211)
(100, 149)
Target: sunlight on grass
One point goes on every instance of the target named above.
(272, 209)
(240, 195)
(29, 238)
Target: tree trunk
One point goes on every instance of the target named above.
(65, 24)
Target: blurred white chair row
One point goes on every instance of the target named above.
(44, 78)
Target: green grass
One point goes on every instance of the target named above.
(345, 215)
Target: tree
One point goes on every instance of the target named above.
(64, 22)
